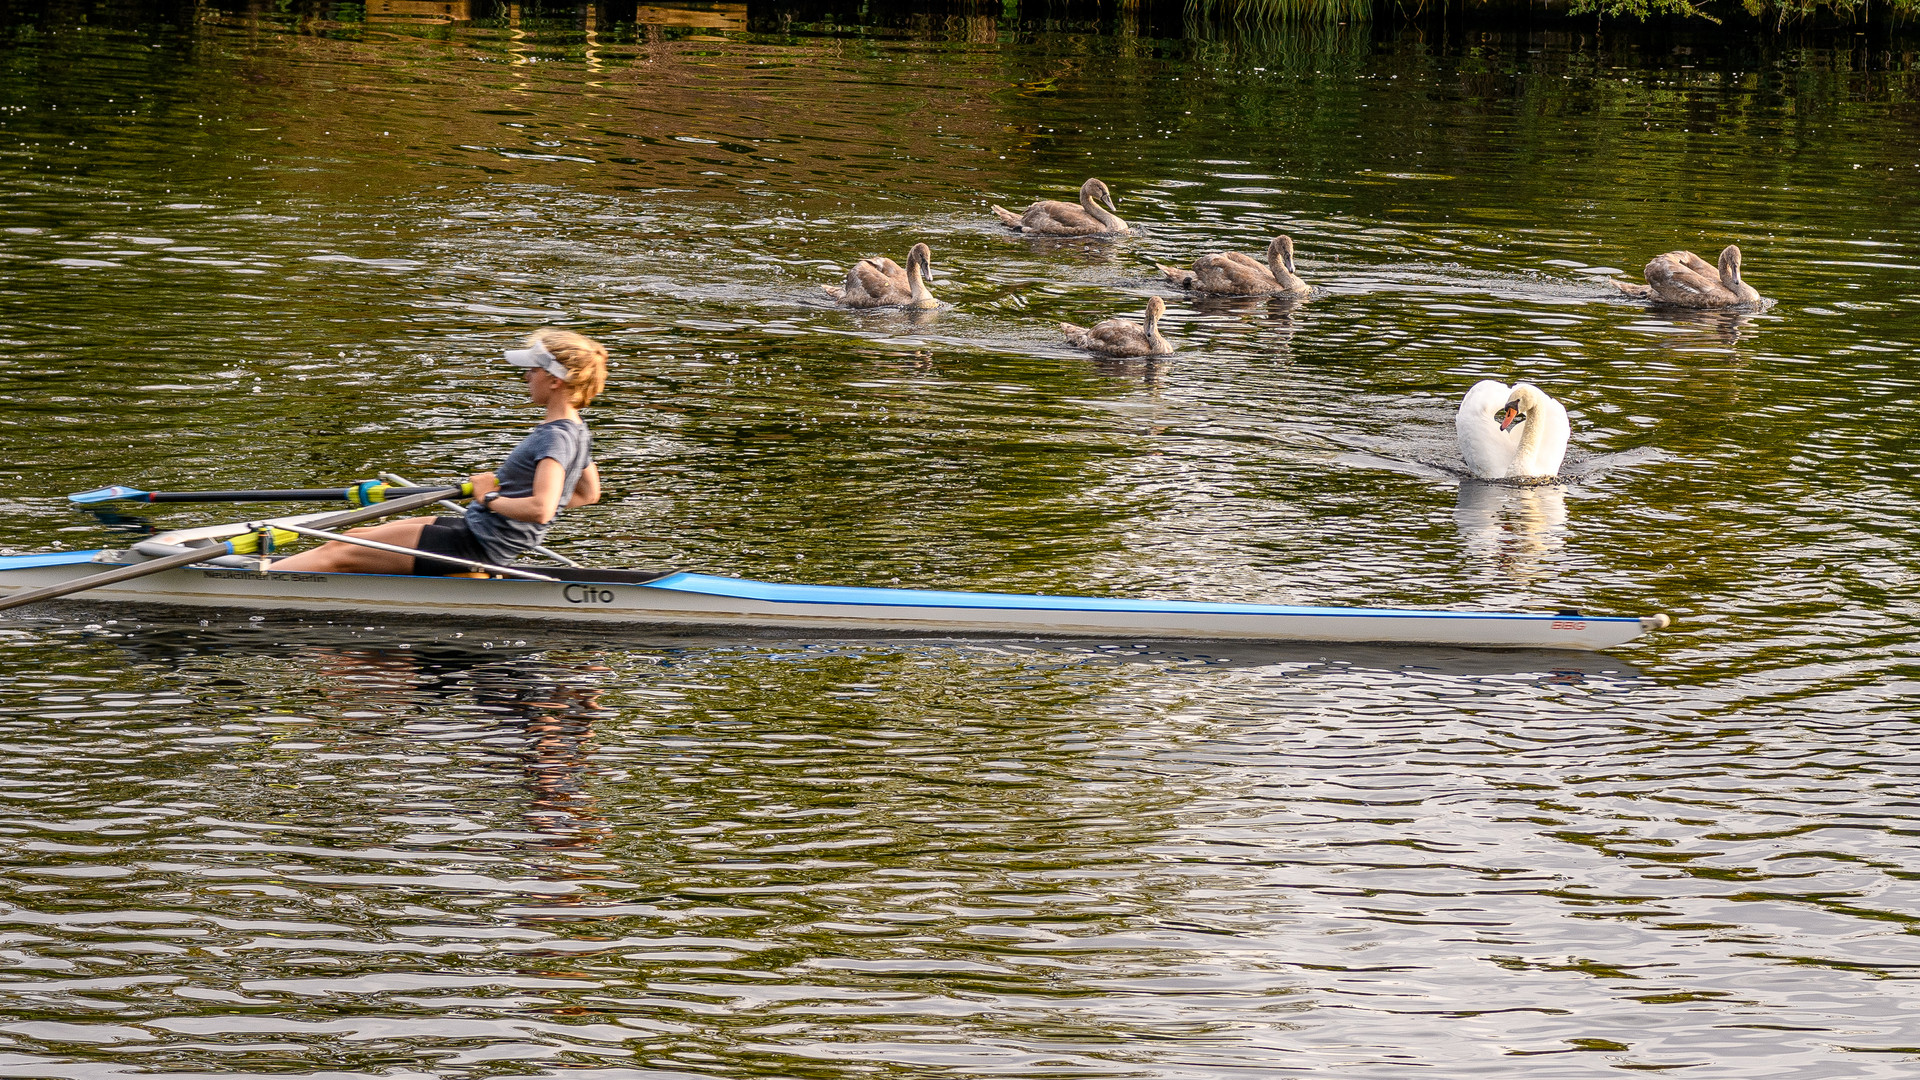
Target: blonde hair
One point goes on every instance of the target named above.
(585, 360)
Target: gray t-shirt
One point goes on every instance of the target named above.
(565, 441)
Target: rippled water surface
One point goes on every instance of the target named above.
(286, 249)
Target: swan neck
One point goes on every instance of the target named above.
(915, 283)
(1529, 438)
(1280, 265)
(1730, 268)
(1098, 212)
(1532, 432)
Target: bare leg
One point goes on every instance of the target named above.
(334, 557)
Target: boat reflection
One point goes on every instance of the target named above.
(531, 712)
(702, 16)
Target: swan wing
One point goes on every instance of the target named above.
(888, 268)
(1114, 337)
(1120, 337)
(1488, 451)
(1676, 282)
(1232, 274)
(1049, 216)
(1694, 263)
(872, 283)
(1248, 261)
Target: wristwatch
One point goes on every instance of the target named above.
(486, 501)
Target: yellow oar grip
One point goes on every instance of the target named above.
(249, 543)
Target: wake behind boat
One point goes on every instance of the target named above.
(642, 599)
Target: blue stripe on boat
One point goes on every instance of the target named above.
(745, 589)
(46, 558)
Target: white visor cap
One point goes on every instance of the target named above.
(538, 357)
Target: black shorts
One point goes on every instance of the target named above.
(447, 536)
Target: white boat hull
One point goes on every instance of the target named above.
(683, 599)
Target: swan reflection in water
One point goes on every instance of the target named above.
(1514, 530)
(1150, 370)
(900, 320)
(1709, 327)
(1270, 318)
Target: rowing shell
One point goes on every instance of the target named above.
(634, 598)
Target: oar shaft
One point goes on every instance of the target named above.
(427, 497)
(155, 566)
(270, 495)
(186, 558)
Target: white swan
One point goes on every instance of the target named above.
(1516, 432)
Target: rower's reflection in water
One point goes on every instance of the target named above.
(1514, 530)
(537, 709)
(555, 710)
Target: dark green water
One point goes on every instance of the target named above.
(280, 249)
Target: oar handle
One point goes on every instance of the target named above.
(425, 497)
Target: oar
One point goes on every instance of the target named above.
(396, 478)
(217, 532)
(170, 562)
(362, 494)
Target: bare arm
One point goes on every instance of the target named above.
(587, 491)
(539, 507)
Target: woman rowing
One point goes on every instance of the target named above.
(552, 469)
